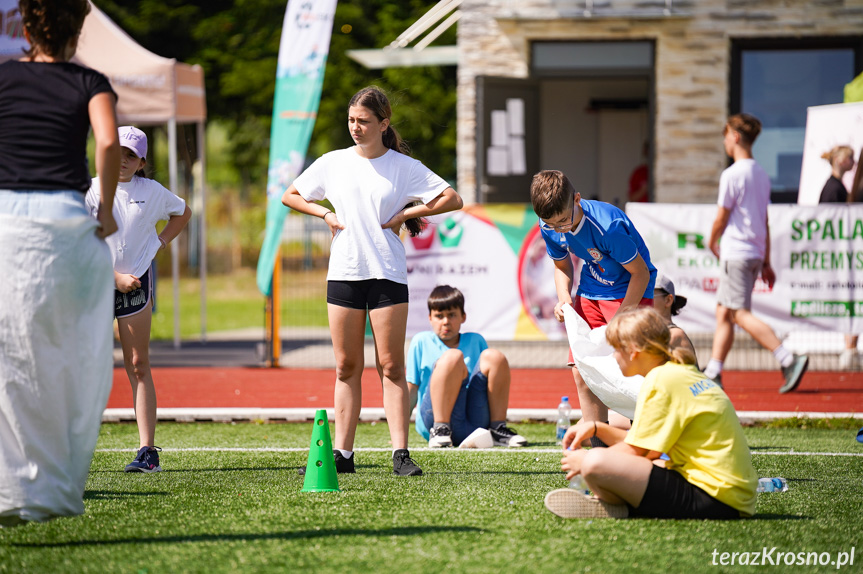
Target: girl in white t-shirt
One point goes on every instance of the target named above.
(138, 205)
(374, 188)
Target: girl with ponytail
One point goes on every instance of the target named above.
(679, 412)
(375, 188)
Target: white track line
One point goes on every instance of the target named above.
(443, 450)
(377, 414)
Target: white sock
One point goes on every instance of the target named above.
(346, 453)
(783, 355)
(714, 367)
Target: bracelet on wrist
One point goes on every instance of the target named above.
(162, 241)
(326, 214)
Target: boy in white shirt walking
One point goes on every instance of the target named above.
(741, 222)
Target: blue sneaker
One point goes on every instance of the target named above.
(147, 460)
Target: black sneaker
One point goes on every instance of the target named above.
(343, 465)
(440, 437)
(147, 460)
(505, 436)
(403, 465)
(793, 373)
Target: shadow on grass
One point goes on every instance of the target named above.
(298, 535)
(770, 448)
(779, 517)
(118, 495)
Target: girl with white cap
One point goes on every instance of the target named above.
(139, 204)
(667, 303)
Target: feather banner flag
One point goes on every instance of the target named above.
(303, 51)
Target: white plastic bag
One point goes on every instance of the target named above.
(593, 356)
(56, 309)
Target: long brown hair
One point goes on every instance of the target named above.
(646, 331)
(51, 24)
(375, 100)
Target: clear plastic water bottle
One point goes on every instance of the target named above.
(563, 410)
(772, 485)
(578, 484)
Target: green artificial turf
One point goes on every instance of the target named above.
(227, 510)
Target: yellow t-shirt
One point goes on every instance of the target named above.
(684, 414)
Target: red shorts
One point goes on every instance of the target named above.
(598, 312)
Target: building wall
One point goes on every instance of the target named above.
(692, 66)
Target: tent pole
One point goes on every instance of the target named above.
(175, 251)
(202, 228)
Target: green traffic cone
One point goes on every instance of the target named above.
(321, 467)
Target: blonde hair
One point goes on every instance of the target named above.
(645, 330)
(838, 153)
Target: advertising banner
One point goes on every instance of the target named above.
(494, 254)
(303, 51)
(816, 251)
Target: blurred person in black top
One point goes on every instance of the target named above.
(56, 288)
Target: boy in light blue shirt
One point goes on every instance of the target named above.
(461, 385)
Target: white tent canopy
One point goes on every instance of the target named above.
(152, 90)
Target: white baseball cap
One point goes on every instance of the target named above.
(134, 139)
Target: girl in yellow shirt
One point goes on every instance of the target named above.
(679, 412)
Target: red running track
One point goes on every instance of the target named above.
(192, 387)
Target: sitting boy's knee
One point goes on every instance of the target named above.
(450, 358)
(492, 358)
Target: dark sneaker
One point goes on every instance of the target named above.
(505, 436)
(343, 465)
(403, 465)
(569, 503)
(440, 437)
(793, 373)
(147, 460)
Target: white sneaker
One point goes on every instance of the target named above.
(440, 437)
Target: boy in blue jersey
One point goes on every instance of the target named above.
(616, 273)
(462, 385)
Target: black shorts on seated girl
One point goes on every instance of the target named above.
(368, 294)
(135, 301)
(669, 495)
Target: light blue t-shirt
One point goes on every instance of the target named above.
(604, 240)
(426, 348)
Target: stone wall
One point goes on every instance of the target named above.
(692, 66)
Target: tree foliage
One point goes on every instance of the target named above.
(237, 44)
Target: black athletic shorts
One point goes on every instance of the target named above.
(135, 301)
(368, 294)
(669, 495)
